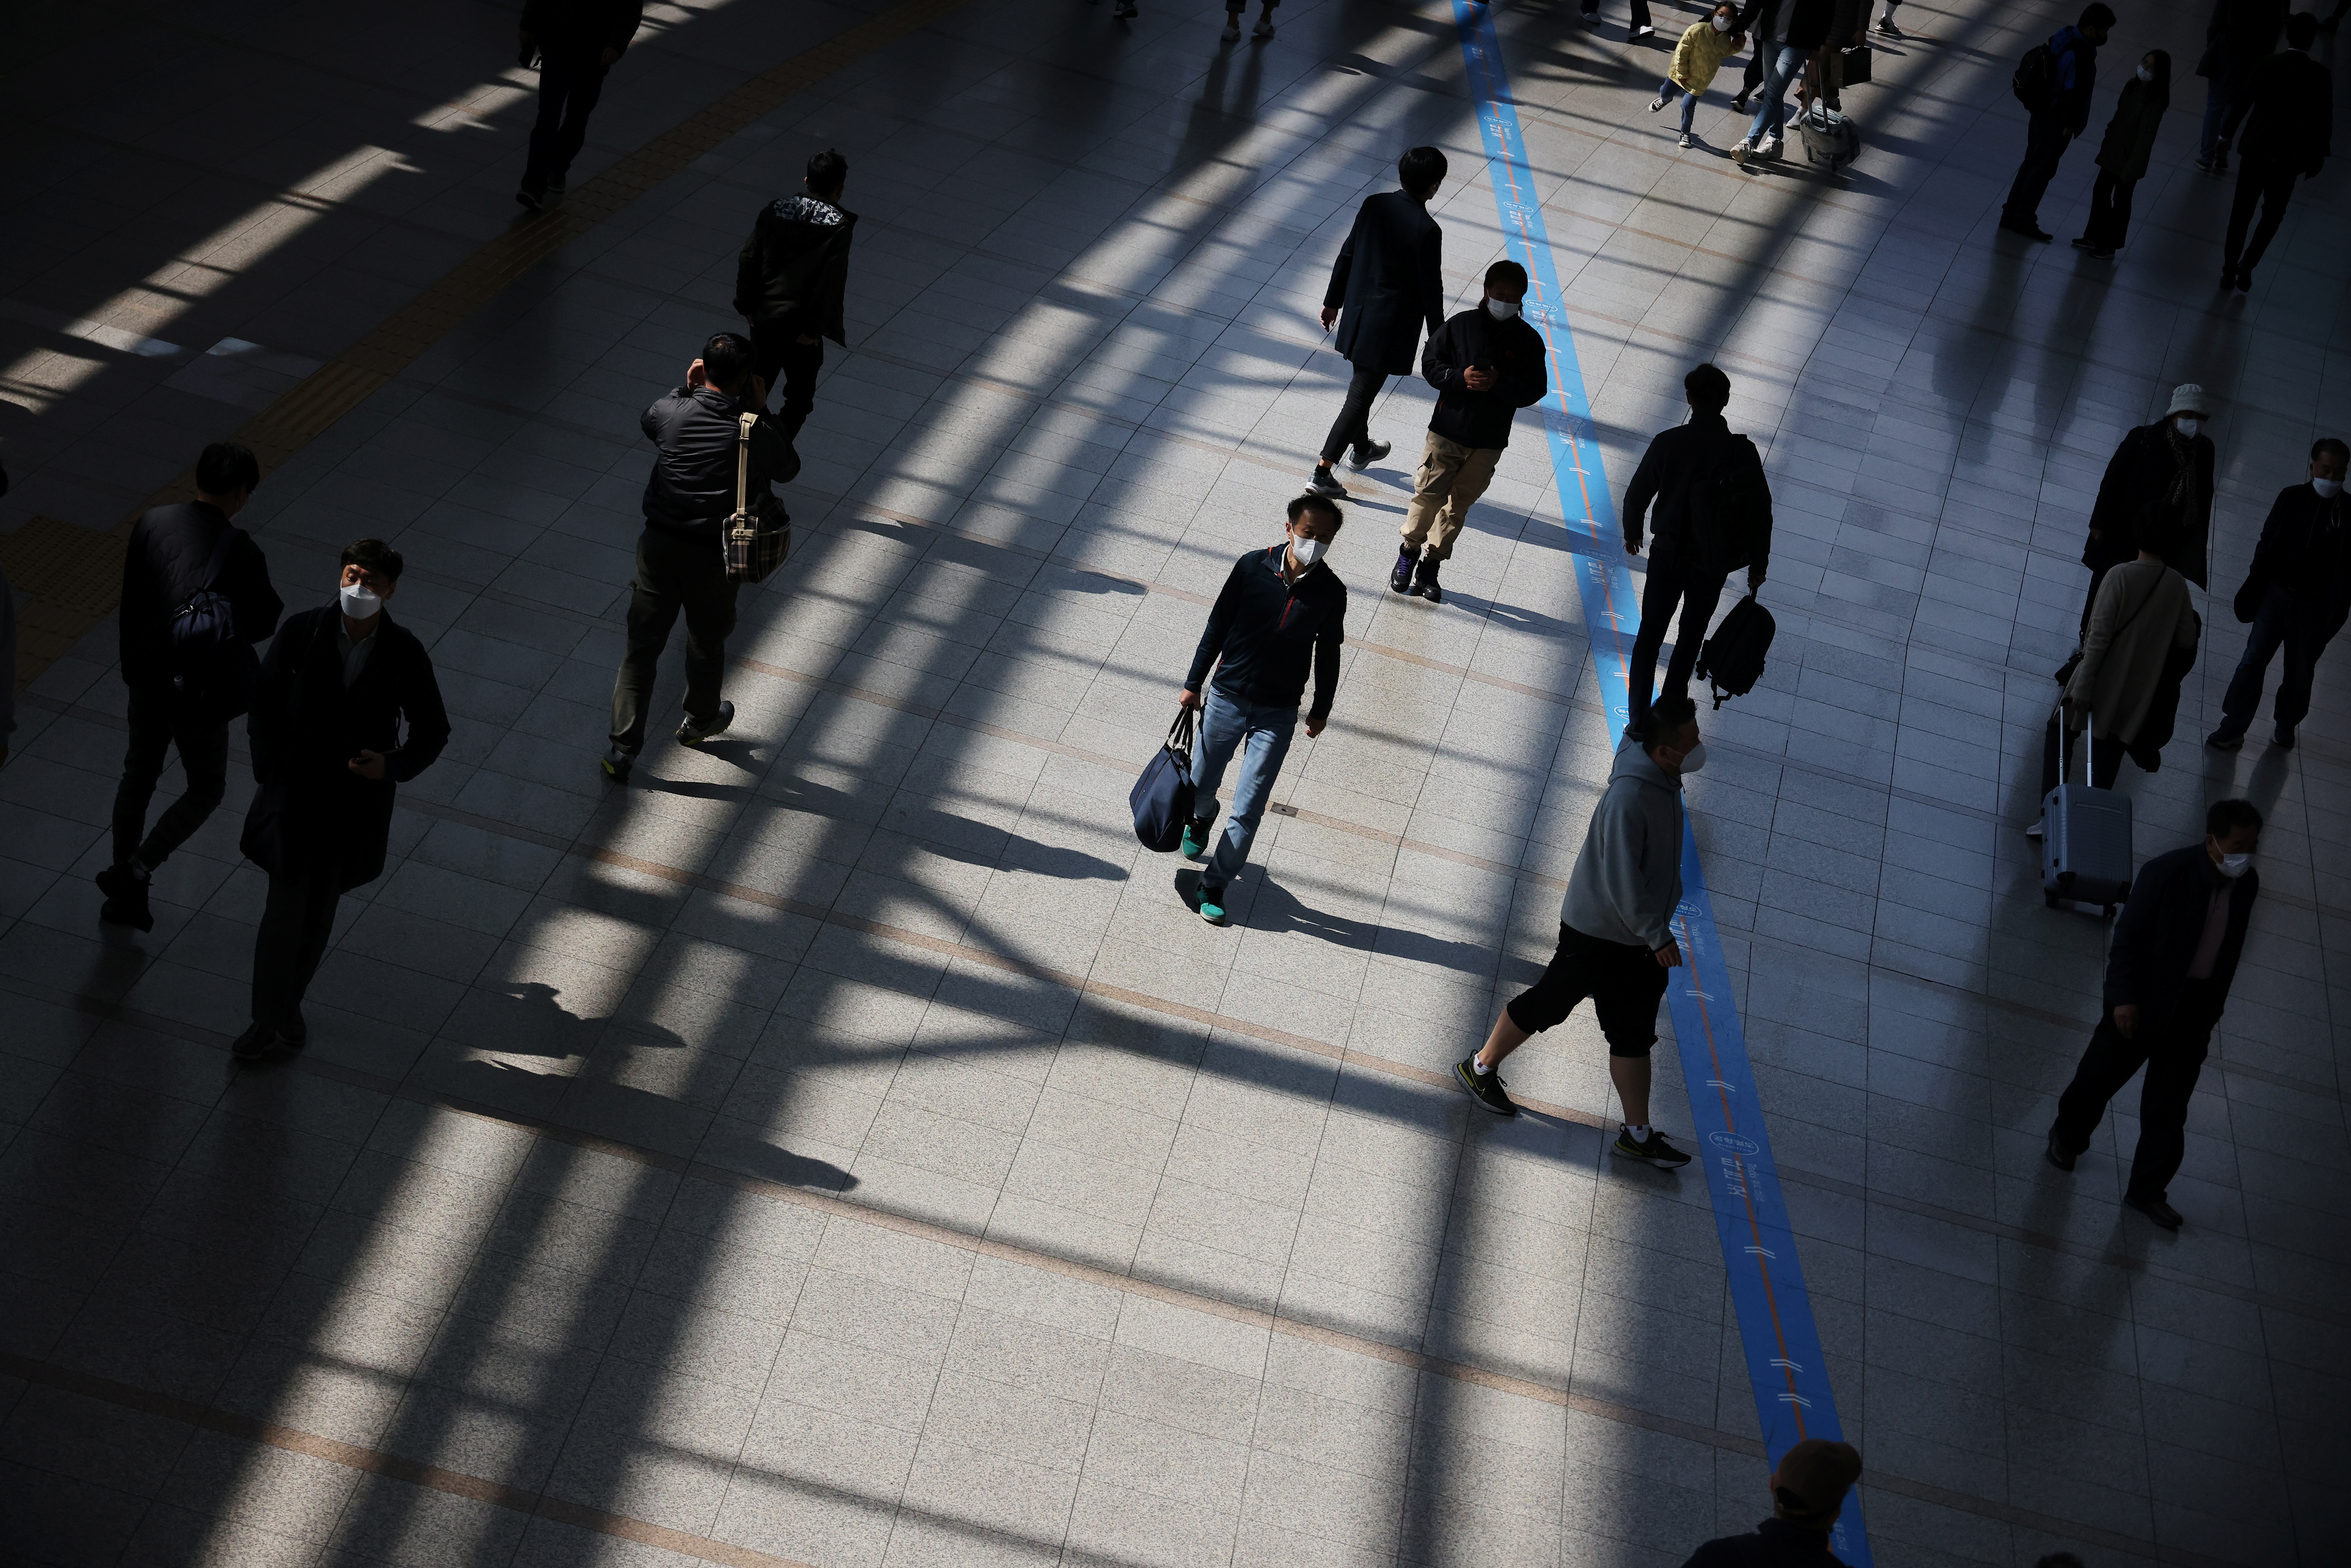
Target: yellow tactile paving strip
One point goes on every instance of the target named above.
(67, 578)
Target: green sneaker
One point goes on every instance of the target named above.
(1195, 840)
(1485, 1088)
(1209, 906)
(1652, 1150)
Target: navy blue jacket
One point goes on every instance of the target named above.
(1268, 632)
(2154, 940)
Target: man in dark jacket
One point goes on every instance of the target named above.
(2240, 35)
(327, 754)
(2159, 479)
(2297, 596)
(1486, 365)
(1691, 557)
(695, 430)
(1384, 285)
(2175, 951)
(1281, 612)
(174, 553)
(577, 41)
(1808, 1488)
(2289, 118)
(2073, 79)
(789, 282)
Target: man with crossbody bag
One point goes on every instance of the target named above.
(712, 466)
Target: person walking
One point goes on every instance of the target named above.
(695, 430)
(181, 696)
(1615, 932)
(1886, 26)
(2141, 639)
(1486, 364)
(1787, 34)
(1704, 46)
(2240, 35)
(1386, 284)
(2297, 597)
(2123, 154)
(1281, 611)
(575, 42)
(2161, 476)
(1637, 25)
(2288, 114)
(339, 684)
(789, 282)
(1264, 29)
(2073, 79)
(1690, 557)
(1807, 1490)
(2175, 952)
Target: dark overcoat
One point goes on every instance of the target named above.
(1386, 284)
(2152, 468)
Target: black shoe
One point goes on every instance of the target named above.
(1423, 580)
(1400, 579)
(254, 1043)
(2225, 739)
(1367, 454)
(693, 732)
(532, 199)
(1322, 482)
(1886, 28)
(295, 1032)
(2244, 281)
(556, 186)
(2030, 230)
(1653, 1149)
(1485, 1088)
(2055, 1153)
(2282, 738)
(2155, 1208)
(618, 764)
(2082, 241)
(126, 898)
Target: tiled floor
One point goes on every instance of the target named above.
(842, 1148)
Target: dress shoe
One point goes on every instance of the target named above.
(2155, 1208)
(2055, 1153)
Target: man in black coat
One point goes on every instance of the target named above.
(1807, 1490)
(1386, 284)
(2297, 596)
(183, 698)
(2053, 125)
(2159, 479)
(577, 41)
(789, 282)
(2240, 35)
(2289, 118)
(327, 754)
(2175, 952)
(1486, 365)
(1691, 557)
(695, 430)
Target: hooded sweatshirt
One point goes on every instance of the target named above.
(1628, 876)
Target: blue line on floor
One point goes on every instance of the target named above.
(1784, 1364)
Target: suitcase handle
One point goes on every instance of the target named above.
(2089, 740)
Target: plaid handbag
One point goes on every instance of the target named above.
(756, 539)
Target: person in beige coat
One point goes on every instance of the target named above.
(2125, 688)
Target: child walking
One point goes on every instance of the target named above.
(1704, 46)
(2122, 154)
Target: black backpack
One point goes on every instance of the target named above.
(1731, 508)
(2035, 81)
(211, 669)
(1732, 659)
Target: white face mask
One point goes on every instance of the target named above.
(359, 601)
(1307, 551)
(1721, 23)
(2188, 427)
(1694, 759)
(1500, 309)
(2234, 866)
(2146, 75)
(2327, 489)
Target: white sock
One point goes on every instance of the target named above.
(1639, 1134)
(1481, 1066)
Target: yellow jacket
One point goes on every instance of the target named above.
(1699, 56)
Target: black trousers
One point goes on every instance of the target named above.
(569, 87)
(1640, 11)
(157, 724)
(2282, 623)
(1668, 585)
(778, 357)
(2045, 140)
(2172, 1049)
(1354, 427)
(2106, 759)
(674, 574)
(1623, 979)
(2272, 187)
(2110, 211)
(295, 925)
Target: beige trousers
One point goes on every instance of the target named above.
(1451, 479)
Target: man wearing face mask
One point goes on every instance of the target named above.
(2159, 477)
(335, 689)
(2175, 951)
(2297, 597)
(1486, 365)
(1615, 931)
(1281, 612)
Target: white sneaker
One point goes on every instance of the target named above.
(2034, 831)
(1232, 32)
(1657, 103)
(1768, 148)
(1264, 28)
(1688, 140)
(1642, 32)
(1741, 150)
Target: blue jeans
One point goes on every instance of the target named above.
(2217, 99)
(2281, 623)
(1771, 109)
(1261, 734)
(1667, 87)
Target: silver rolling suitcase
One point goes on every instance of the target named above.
(2085, 836)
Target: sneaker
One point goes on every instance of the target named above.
(1742, 149)
(1264, 28)
(1738, 104)
(1196, 839)
(1657, 103)
(2203, 165)
(1768, 148)
(1400, 579)
(1485, 1088)
(2282, 738)
(1232, 32)
(1198, 898)
(1423, 580)
(2155, 1208)
(2055, 1154)
(1364, 457)
(1125, 10)
(2081, 241)
(1637, 34)
(618, 765)
(556, 185)
(1688, 140)
(1322, 482)
(1653, 1149)
(1886, 28)
(529, 198)
(126, 898)
(2034, 832)
(693, 734)
(254, 1043)
(2225, 739)
(2244, 281)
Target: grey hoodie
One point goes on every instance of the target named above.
(1628, 876)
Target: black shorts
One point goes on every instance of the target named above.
(1623, 979)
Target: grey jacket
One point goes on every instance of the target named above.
(1628, 876)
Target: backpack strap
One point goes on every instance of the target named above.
(742, 424)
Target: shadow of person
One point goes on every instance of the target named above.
(2267, 782)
